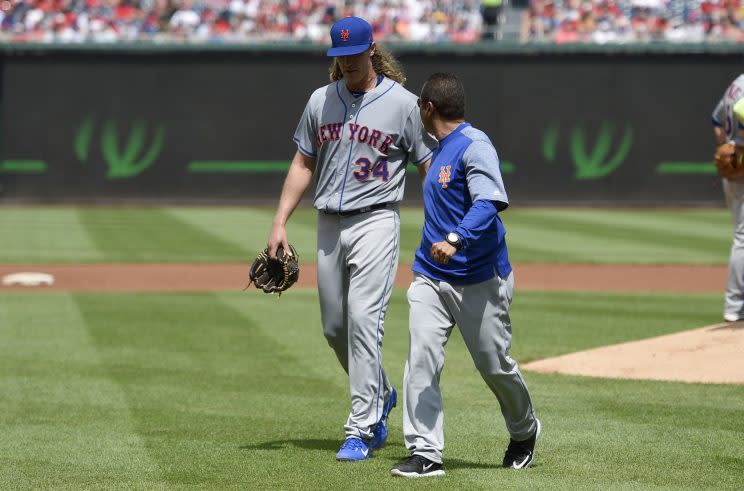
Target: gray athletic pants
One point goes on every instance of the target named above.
(481, 311)
(357, 261)
(734, 300)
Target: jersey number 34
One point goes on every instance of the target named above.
(365, 169)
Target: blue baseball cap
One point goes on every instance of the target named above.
(350, 36)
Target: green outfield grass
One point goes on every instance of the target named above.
(200, 234)
(239, 390)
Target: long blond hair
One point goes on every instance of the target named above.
(383, 62)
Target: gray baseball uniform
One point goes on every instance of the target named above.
(361, 143)
(481, 311)
(723, 116)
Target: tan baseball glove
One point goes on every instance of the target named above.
(729, 161)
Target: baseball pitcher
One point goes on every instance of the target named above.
(355, 137)
(728, 128)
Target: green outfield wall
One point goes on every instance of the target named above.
(620, 125)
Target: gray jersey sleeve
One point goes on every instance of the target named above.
(307, 128)
(483, 173)
(723, 114)
(719, 113)
(416, 141)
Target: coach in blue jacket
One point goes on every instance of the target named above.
(462, 276)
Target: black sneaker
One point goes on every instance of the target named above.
(520, 455)
(417, 466)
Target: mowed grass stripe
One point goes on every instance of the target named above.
(301, 330)
(411, 225)
(230, 234)
(223, 399)
(616, 434)
(592, 239)
(205, 383)
(248, 228)
(63, 422)
(43, 234)
(653, 237)
(688, 229)
(694, 221)
(620, 227)
(549, 324)
(153, 235)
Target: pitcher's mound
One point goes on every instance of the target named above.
(713, 354)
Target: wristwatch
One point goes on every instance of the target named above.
(454, 240)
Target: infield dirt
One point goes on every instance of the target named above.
(210, 277)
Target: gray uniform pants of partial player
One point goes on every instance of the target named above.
(482, 313)
(734, 302)
(357, 261)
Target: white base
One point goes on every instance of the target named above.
(28, 279)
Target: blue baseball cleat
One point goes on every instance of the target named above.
(379, 433)
(353, 449)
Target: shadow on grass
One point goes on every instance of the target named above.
(395, 451)
(466, 464)
(311, 444)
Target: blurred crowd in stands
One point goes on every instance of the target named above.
(428, 21)
(414, 21)
(626, 21)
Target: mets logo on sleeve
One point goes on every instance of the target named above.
(444, 175)
(344, 34)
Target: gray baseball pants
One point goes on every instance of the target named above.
(357, 262)
(481, 311)
(734, 299)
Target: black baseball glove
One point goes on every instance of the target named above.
(275, 275)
